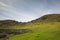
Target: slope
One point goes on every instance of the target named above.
(10, 24)
(49, 18)
(44, 28)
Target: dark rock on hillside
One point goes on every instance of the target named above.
(2, 36)
(6, 33)
(15, 31)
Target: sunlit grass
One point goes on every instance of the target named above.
(41, 31)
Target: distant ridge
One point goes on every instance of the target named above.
(48, 18)
(8, 22)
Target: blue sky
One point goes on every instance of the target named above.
(27, 10)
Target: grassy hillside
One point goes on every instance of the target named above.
(41, 31)
(10, 24)
(44, 28)
(49, 18)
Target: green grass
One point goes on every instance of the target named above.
(41, 31)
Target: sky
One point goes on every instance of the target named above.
(27, 10)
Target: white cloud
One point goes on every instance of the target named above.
(12, 13)
(2, 4)
(26, 10)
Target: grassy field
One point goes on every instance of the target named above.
(40, 31)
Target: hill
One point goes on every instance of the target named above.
(46, 27)
(10, 24)
(48, 18)
(44, 18)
